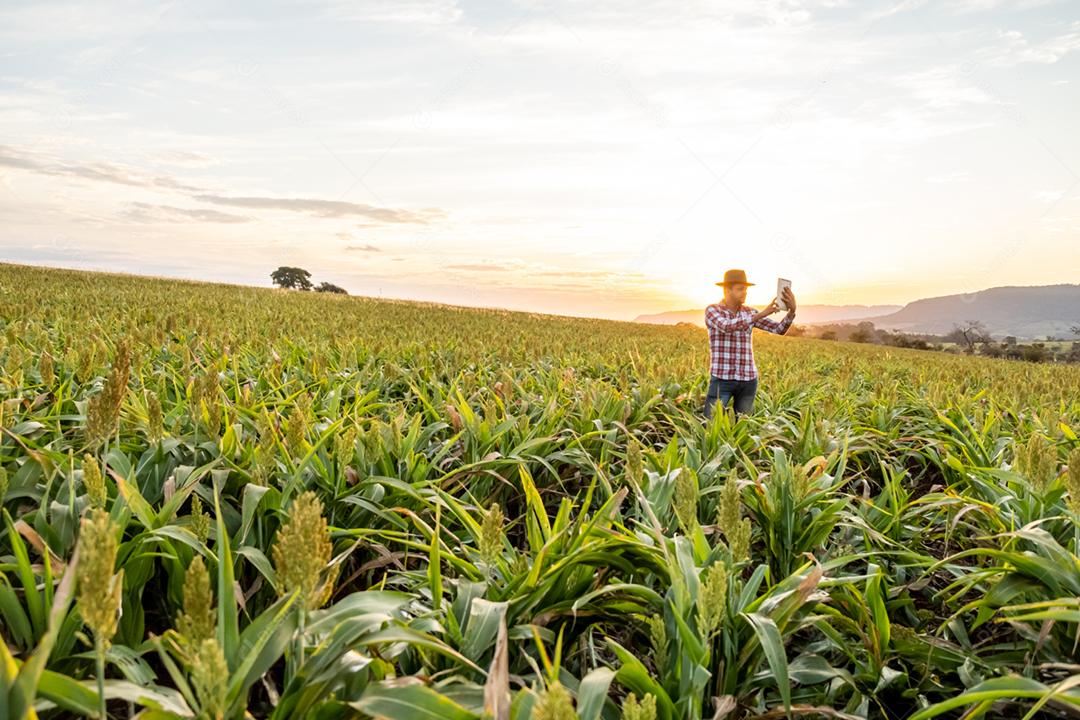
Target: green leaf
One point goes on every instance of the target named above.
(592, 692)
(14, 616)
(875, 600)
(120, 468)
(481, 627)
(262, 644)
(82, 697)
(127, 661)
(409, 700)
(191, 481)
(180, 534)
(228, 626)
(396, 633)
(253, 495)
(34, 604)
(67, 693)
(435, 564)
(537, 517)
(773, 646)
(26, 684)
(256, 557)
(1011, 687)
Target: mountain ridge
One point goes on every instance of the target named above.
(1023, 311)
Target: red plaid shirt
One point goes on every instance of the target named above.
(730, 344)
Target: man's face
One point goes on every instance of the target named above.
(736, 291)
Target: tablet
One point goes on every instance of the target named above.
(781, 283)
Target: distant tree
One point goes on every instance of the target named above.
(1034, 353)
(862, 335)
(1075, 329)
(293, 278)
(906, 340)
(330, 288)
(828, 335)
(967, 334)
(796, 331)
(1010, 339)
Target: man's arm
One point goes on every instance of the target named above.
(716, 320)
(778, 327)
(782, 326)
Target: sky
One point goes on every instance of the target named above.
(592, 158)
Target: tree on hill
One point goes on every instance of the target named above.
(330, 288)
(292, 278)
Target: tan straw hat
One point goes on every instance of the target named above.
(734, 276)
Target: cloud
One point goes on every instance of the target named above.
(97, 171)
(585, 273)
(944, 87)
(486, 267)
(350, 246)
(424, 12)
(186, 159)
(328, 208)
(1017, 49)
(548, 277)
(961, 7)
(10, 158)
(148, 213)
(956, 176)
(123, 175)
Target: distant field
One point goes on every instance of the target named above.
(304, 505)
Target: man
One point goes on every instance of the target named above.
(732, 372)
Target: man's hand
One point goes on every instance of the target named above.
(789, 299)
(767, 311)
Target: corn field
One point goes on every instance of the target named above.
(226, 502)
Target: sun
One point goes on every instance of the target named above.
(704, 294)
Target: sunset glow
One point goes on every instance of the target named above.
(602, 159)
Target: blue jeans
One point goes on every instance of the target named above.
(741, 391)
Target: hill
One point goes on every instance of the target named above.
(1027, 312)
